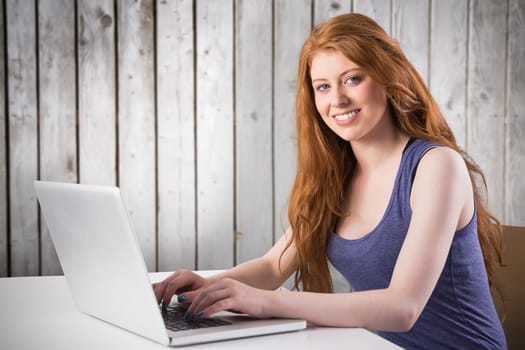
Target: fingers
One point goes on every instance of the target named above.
(181, 281)
(209, 297)
(205, 300)
(218, 297)
(188, 297)
(159, 289)
(168, 294)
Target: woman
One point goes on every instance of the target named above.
(383, 192)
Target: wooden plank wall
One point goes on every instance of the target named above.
(188, 107)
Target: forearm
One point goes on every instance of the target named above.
(259, 273)
(267, 272)
(378, 309)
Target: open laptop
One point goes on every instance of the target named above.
(107, 277)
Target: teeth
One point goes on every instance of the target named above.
(346, 116)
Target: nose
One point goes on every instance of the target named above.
(339, 98)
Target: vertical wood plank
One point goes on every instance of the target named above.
(379, 10)
(215, 133)
(57, 108)
(324, 10)
(515, 161)
(486, 94)
(97, 94)
(176, 138)
(253, 110)
(448, 79)
(3, 160)
(411, 27)
(292, 21)
(136, 103)
(23, 136)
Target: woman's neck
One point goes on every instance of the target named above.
(374, 152)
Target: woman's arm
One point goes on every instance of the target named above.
(267, 272)
(442, 202)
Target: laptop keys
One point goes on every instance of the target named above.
(174, 320)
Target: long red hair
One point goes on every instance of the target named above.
(325, 162)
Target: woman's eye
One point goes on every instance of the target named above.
(322, 87)
(353, 80)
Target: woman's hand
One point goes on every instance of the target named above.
(184, 283)
(232, 295)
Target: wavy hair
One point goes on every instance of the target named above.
(326, 162)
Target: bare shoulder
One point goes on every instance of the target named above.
(442, 161)
(441, 173)
(442, 176)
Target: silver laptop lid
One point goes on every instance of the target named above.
(100, 256)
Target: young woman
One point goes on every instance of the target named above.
(383, 192)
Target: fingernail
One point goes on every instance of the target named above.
(187, 315)
(200, 314)
(181, 298)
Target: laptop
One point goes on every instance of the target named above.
(108, 279)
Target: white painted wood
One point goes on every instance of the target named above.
(323, 9)
(57, 107)
(3, 161)
(292, 21)
(411, 27)
(253, 128)
(515, 146)
(379, 10)
(23, 136)
(176, 137)
(486, 95)
(96, 92)
(136, 109)
(215, 154)
(229, 169)
(448, 57)
(339, 282)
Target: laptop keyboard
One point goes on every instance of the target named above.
(174, 320)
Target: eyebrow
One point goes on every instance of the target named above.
(343, 73)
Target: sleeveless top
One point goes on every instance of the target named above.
(460, 313)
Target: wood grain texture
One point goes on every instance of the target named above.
(97, 117)
(199, 129)
(448, 55)
(136, 108)
(411, 28)
(379, 10)
(292, 21)
(515, 146)
(4, 244)
(176, 137)
(23, 137)
(57, 107)
(215, 154)
(253, 128)
(486, 95)
(323, 10)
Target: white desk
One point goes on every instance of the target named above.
(38, 313)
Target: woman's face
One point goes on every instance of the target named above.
(352, 104)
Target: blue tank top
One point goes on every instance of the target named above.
(460, 313)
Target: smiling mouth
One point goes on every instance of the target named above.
(347, 116)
